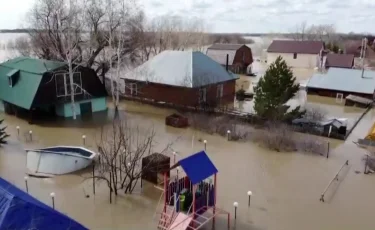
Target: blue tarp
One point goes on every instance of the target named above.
(19, 210)
(198, 167)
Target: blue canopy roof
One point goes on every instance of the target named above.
(198, 167)
(19, 210)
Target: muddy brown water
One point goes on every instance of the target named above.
(286, 186)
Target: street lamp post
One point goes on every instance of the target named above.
(235, 204)
(27, 186)
(249, 194)
(84, 139)
(53, 199)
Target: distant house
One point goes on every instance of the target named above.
(354, 47)
(339, 60)
(340, 82)
(297, 54)
(182, 78)
(35, 85)
(239, 56)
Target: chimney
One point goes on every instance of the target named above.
(226, 65)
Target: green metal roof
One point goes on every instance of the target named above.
(32, 65)
(31, 72)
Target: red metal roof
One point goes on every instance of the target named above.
(290, 46)
(225, 46)
(340, 60)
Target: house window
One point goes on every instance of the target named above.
(219, 92)
(202, 95)
(339, 97)
(63, 86)
(295, 56)
(133, 89)
(10, 82)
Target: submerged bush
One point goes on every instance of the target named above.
(3, 134)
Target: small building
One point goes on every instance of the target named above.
(43, 87)
(297, 54)
(182, 78)
(237, 57)
(339, 83)
(339, 60)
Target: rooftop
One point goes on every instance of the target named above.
(32, 65)
(29, 75)
(291, 46)
(345, 80)
(197, 167)
(340, 60)
(181, 68)
(224, 46)
(19, 210)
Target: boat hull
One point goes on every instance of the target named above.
(55, 163)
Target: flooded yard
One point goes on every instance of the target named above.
(286, 186)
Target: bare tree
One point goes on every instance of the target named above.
(321, 32)
(299, 33)
(45, 35)
(315, 114)
(176, 33)
(22, 45)
(122, 148)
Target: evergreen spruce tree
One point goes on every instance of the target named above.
(3, 134)
(273, 90)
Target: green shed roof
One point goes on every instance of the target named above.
(31, 72)
(32, 65)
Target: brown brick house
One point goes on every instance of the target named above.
(181, 78)
(239, 56)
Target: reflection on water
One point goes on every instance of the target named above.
(286, 186)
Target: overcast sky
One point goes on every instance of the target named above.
(241, 15)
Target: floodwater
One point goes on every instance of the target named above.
(286, 186)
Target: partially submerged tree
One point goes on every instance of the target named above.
(315, 114)
(321, 32)
(45, 36)
(274, 90)
(3, 134)
(122, 148)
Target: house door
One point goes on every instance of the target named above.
(202, 95)
(86, 108)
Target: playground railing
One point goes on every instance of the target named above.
(166, 219)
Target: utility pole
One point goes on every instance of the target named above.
(363, 55)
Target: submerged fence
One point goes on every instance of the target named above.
(335, 178)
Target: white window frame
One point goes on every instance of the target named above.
(77, 90)
(219, 90)
(133, 89)
(339, 97)
(202, 95)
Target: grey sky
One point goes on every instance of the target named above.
(242, 15)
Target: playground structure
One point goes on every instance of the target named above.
(371, 133)
(190, 201)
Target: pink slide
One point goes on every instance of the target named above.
(181, 222)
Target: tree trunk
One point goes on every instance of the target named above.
(72, 88)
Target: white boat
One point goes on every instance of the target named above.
(58, 160)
